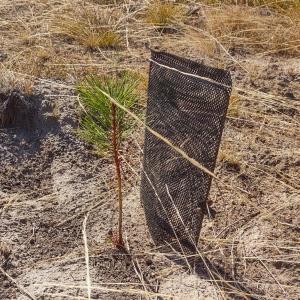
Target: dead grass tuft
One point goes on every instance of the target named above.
(234, 105)
(229, 160)
(88, 36)
(92, 29)
(275, 4)
(164, 14)
(249, 29)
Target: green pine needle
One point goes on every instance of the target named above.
(96, 123)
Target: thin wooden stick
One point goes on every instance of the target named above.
(86, 254)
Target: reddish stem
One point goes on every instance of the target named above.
(115, 142)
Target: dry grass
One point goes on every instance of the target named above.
(234, 105)
(229, 160)
(259, 152)
(89, 37)
(248, 29)
(92, 29)
(164, 14)
(41, 62)
(87, 258)
(277, 4)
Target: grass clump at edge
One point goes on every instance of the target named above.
(276, 4)
(246, 28)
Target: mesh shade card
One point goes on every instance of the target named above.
(187, 104)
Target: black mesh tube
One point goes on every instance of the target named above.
(187, 104)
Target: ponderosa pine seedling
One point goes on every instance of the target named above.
(104, 124)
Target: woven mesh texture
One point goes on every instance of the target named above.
(190, 112)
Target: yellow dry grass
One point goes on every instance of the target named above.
(164, 14)
(252, 30)
(262, 28)
(91, 28)
(283, 5)
(234, 105)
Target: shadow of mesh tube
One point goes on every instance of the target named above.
(187, 104)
